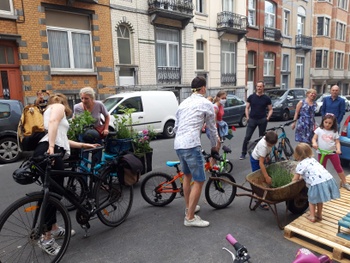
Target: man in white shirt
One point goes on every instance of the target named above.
(190, 117)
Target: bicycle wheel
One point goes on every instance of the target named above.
(227, 167)
(156, 189)
(113, 200)
(220, 194)
(287, 148)
(78, 187)
(19, 231)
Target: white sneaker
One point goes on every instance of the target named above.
(346, 186)
(195, 210)
(60, 233)
(196, 221)
(49, 246)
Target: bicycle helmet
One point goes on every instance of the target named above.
(24, 174)
(91, 136)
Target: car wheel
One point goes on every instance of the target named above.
(168, 131)
(9, 150)
(243, 122)
(285, 115)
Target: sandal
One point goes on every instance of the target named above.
(319, 218)
(311, 219)
(264, 207)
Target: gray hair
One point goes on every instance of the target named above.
(88, 91)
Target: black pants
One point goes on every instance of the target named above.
(252, 124)
(50, 213)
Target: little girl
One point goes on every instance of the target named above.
(321, 184)
(327, 138)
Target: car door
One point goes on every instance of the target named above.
(298, 96)
(234, 109)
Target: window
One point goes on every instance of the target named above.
(285, 82)
(251, 59)
(301, 21)
(5, 110)
(321, 58)
(340, 33)
(300, 67)
(343, 4)
(269, 64)
(227, 5)
(167, 47)
(252, 12)
(323, 26)
(286, 16)
(270, 14)
(123, 35)
(285, 62)
(6, 7)
(7, 55)
(131, 103)
(200, 55)
(228, 57)
(70, 49)
(338, 60)
(200, 6)
(330, 1)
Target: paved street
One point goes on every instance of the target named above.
(157, 234)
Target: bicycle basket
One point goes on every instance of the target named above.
(26, 173)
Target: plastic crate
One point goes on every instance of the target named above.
(117, 146)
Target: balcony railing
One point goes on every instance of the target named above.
(169, 75)
(299, 83)
(231, 21)
(269, 82)
(304, 42)
(272, 34)
(228, 78)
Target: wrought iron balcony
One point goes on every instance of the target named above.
(272, 34)
(169, 75)
(228, 79)
(178, 10)
(269, 82)
(299, 83)
(303, 42)
(228, 22)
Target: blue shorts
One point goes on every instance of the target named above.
(254, 164)
(192, 162)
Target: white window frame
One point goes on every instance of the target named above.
(300, 66)
(230, 57)
(285, 63)
(286, 22)
(343, 4)
(269, 64)
(200, 6)
(252, 12)
(7, 12)
(227, 5)
(301, 20)
(338, 60)
(326, 26)
(270, 17)
(200, 52)
(168, 44)
(69, 32)
(324, 62)
(126, 38)
(340, 31)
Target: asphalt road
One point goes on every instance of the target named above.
(157, 234)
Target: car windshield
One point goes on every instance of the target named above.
(111, 102)
(275, 94)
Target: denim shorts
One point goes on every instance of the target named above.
(192, 162)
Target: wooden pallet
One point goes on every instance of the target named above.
(321, 237)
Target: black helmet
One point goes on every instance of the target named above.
(91, 136)
(24, 174)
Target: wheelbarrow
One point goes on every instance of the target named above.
(293, 194)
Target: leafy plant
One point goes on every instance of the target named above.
(78, 124)
(142, 141)
(280, 176)
(123, 124)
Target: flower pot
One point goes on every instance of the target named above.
(146, 159)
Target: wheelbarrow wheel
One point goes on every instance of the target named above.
(299, 204)
(220, 194)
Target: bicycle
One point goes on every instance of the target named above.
(324, 153)
(23, 223)
(225, 165)
(160, 189)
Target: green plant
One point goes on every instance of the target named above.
(78, 124)
(142, 141)
(280, 176)
(123, 124)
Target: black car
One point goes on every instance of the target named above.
(235, 111)
(10, 114)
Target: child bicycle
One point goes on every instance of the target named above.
(25, 221)
(160, 189)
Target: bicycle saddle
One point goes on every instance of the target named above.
(226, 149)
(172, 163)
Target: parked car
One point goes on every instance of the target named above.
(321, 97)
(345, 142)
(284, 102)
(10, 114)
(235, 111)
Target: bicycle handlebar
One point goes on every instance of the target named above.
(241, 251)
(94, 149)
(281, 126)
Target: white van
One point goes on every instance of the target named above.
(154, 109)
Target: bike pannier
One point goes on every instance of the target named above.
(129, 169)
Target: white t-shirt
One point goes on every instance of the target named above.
(312, 172)
(261, 149)
(326, 139)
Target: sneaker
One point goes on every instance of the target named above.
(242, 157)
(49, 246)
(346, 186)
(195, 210)
(196, 221)
(60, 233)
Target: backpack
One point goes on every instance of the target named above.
(30, 128)
(129, 169)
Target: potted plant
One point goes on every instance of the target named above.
(143, 149)
(78, 124)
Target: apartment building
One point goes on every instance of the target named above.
(219, 30)
(54, 45)
(330, 63)
(296, 44)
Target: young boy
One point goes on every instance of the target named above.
(261, 152)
